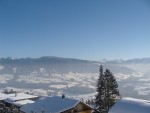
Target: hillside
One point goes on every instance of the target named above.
(131, 105)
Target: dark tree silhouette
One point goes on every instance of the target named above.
(107, 91)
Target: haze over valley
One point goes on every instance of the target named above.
(73, 77)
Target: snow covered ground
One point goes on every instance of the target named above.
(131, 105)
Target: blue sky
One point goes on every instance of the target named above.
(84, 29)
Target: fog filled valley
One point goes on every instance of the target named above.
(73, 77)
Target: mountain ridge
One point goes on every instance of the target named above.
(133, 60)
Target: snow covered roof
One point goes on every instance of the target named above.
(131, 105)
(3, 96)
(18, 96)
(53, 104)
(23, 102)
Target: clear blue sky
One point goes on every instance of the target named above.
(86, 29)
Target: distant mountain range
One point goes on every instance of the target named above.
(71, 60)
(130, 61)
(64, 65)
(51, 64)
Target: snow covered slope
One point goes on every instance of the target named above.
(131, 105)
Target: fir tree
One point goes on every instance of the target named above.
(106, 91)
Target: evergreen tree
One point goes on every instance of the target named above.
(107, 91)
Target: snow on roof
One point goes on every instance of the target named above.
(131, 105)
(3, 96)
(18, 96)
(53, 104)
(23, 102)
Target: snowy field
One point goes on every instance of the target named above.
(131, 105)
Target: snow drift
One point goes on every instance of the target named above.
(131, 105)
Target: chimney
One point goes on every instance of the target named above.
(63, 96)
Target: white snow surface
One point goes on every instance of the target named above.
(23, 102)
(18, 96)
(131, 105)
(3, 96)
